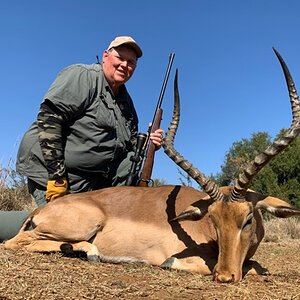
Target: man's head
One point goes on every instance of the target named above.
(119, 61)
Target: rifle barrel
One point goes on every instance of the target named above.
(163, 88)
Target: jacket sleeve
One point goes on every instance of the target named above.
(51, 142)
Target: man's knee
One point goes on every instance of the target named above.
(38, 192)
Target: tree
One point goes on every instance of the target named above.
(280, 178)
(239, 154)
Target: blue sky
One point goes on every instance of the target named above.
(230, 81)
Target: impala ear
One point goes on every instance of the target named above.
(192, 213)
(277, 207)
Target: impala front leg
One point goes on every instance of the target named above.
(189, 264)
(252, 267)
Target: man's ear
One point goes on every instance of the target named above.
(104, 55)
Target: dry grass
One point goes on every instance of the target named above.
(282, 229)
(13, 190)
(53, 276)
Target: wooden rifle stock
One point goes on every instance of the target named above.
(146, 171)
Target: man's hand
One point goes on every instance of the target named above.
(156, 137)
(56, 188)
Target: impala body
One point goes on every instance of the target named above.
(136, 224)
(216, 231)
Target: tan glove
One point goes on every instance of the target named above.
(56, 188)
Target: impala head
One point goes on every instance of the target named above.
(239, 231)
(236, 211)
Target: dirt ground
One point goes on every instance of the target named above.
(53, 276)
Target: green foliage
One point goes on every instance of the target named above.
(239, 154)
(280, 178)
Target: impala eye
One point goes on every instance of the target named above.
(248, 221)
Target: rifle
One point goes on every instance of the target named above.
(143, 159)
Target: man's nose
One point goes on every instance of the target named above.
(124, 63)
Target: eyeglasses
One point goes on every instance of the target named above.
(130, 62)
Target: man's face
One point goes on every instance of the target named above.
(118, 65)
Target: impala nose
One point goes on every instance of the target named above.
(223, 278)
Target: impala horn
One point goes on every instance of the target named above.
(244, 179)
(208, 185)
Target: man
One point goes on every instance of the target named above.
(85, 131)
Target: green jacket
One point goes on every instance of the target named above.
(97, 129)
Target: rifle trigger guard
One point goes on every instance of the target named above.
(149, 182)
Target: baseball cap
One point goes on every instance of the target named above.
(126, 40)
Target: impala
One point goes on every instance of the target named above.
(215, 231)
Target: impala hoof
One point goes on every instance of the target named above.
(66, 249)
(168, 263)
(93, 258)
